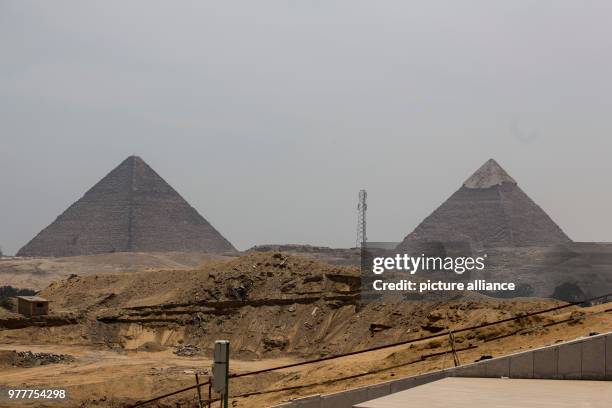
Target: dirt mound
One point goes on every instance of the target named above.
(38, 273)
(252, 277)
(336, 256)
(30, 359)
(275, 308)
(151, 346)
(187, 350)
(266, 304)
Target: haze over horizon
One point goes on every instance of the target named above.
(269, 117)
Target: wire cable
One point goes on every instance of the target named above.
(400, 343)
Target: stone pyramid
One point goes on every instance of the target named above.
(132, 209)
(489, 210)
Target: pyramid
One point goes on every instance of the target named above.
(132, 209)
(489, 210)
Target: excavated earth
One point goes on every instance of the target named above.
(38, 272)
(137, 335)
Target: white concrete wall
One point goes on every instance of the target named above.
(589, 358)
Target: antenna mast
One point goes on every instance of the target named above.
(361, 219)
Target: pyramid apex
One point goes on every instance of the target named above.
(134, 157)
(488, 175)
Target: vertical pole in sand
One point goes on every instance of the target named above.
(226, 393)
(209, 393)
(451, 336)
(220, 378)
(199, 391)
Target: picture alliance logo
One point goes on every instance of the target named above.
(411, 264)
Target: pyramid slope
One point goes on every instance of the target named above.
(132, 209)
(489, 210)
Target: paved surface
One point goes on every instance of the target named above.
(500, 393)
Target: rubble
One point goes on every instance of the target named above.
(30, 359)
(187, 350)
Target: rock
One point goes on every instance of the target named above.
(274, 342)
(30, 359)
(151, 346)
(187, 350)
(432, 328)
(435, 316)
(377, 327)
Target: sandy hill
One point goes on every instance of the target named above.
(128, 332)
(267, 304)
(38, 273)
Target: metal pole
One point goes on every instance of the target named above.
(226, 393)
(220, 371)
(452, 342)
(199, 392)
(209, 393)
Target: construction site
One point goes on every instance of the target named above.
(130, 290)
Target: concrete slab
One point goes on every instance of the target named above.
(589, 359)
(609, 357)
(593, 359)
(427, 378)
(521, 365)
(378, 390)
(499, 367)
(494, 392)
(545, 363)
(472, 370)
(403, 384)
(569, 366)
(344, 399)
(312, 401)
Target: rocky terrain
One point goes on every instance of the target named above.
(138, 334)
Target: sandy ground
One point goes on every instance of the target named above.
(37, 273)
(96, 374)
(274, 309)
(101, 377)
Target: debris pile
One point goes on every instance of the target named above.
(30, 359)
(187, 350)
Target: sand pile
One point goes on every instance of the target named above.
(266, 304)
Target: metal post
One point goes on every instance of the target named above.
(220, 370)
(452, 342)
(226, 393)
(199, 392)
(209, 393)
(361, 219)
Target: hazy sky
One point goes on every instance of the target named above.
(269, 116)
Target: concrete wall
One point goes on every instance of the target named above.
(588, 358)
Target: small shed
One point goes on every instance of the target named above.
(32, 305)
